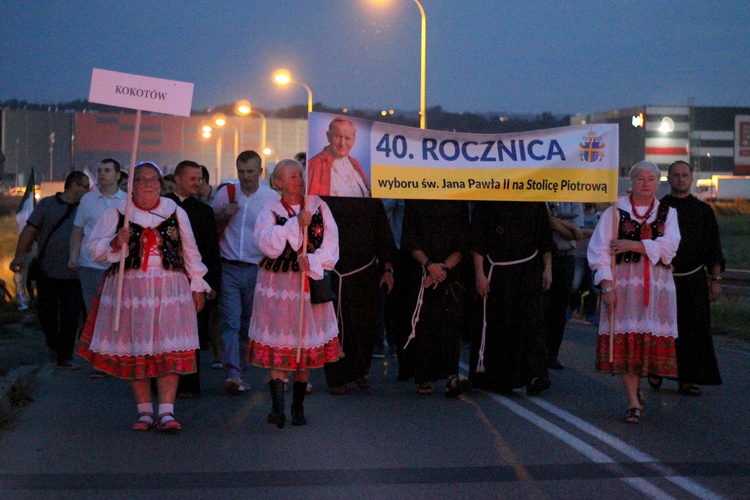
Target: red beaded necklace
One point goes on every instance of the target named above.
(648, 212)
(645, 228)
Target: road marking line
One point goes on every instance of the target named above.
(638, 456)
(597, 456)
(581, 446)
(506, 452)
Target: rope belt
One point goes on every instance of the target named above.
(339, 314)
(699, 268)
(417, 308)
(480, 362)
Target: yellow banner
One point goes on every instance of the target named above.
(360, 158)
(494, 184)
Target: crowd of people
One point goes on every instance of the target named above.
(264, 275)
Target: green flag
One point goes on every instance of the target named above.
(27, 203)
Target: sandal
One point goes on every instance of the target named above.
(170, 427)
(456, 386)
(363, 382)
(425, 389)
(655, 381)
(142, 424)
(633, 416)
(338, 390)
(537, 386)
(689, 390)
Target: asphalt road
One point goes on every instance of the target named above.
(570, 442)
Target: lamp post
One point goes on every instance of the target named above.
(422, 69)
(51, 154)
(283, 77)
(206, 133)
(244, 108)
(220, 120)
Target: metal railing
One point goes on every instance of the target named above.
(735, 282)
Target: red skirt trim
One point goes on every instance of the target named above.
(285, 358)
(637, 353)
(141, 367)
(132, 367)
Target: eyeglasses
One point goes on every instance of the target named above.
(147, 180)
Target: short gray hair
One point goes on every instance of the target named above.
(644, 165)
(279, 167)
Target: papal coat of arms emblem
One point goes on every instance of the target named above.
(592, 148)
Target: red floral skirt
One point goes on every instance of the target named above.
(637, 353)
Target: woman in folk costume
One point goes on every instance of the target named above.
(162, 289)
(277, 339)
(641, 291)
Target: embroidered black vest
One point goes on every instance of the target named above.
(169, 245)
(629, 229)
(288, 258)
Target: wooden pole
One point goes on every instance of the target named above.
(128, 206)
(612, 264)
(302, 252)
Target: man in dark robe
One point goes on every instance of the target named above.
(187, 178)
(511, 245)
(435, 236)
(366, 253)
(697, 277)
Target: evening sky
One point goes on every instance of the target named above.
(482, 55)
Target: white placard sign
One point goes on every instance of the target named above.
(141, 92)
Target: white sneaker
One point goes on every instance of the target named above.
(235, 385)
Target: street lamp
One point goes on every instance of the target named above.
(283, 77)
(220, 120)
(422, 69)
(206, 131)
(244, 108)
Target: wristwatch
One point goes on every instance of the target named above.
(607, 289)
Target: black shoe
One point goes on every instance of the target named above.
(298, 399)
(277, 398)
(655, 381)
(537, 386)
(554, 364)
(67, 364)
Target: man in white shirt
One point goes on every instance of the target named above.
(236, 209)
(92, 206)
(332, 172)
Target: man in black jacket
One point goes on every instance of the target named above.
(187, 177)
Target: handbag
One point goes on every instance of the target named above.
(321, 290)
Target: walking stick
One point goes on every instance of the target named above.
(303, 252)
(613, 258)
(128, 205)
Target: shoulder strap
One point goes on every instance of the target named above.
(57, 225)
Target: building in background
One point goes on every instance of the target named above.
(55, 143)
(708, 138)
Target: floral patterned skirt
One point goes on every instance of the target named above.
(158, 331)
(645, 331)
(637, 353)
(274, 335)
